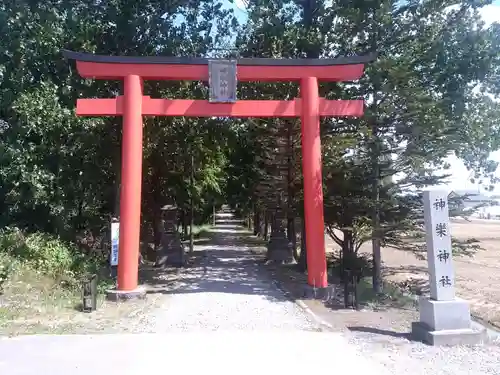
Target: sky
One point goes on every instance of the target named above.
(460, 175)
(459, 179)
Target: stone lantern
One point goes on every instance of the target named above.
(279, 250)
(171, 251)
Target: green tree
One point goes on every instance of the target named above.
(60, 173)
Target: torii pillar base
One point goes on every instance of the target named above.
(324, 294)
(125, 295)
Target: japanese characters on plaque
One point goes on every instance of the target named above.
(115, 239)
(438, 240)
(222, 81)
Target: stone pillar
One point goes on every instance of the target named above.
(278, 248)
(444, 319)
(171, 251)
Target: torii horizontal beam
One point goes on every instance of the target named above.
(203, 108)
(192, 69)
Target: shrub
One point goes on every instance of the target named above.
(6, 269)
(360, 264)
(46, 254)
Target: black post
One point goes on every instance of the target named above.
(191, 222)
(213, 216)
(89, 294)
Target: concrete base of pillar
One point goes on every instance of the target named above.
(446, 323)
(422, 332)
(122, 296)
(324, 294)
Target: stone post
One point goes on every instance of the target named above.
(171, 250)
(444, 319)
(278, 248)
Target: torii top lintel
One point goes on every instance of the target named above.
(191, 69)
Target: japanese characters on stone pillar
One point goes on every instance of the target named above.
(444, 319)
(222, 81)
(439, 251)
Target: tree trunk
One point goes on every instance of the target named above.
(376, 253)
(303, 249)
(256, 221)
(347, 243)
(157, 227)
(117, 166)
(263, 222)
(375, 156)
(290, 230)
(266, 226)
(184, 224)
(296, 253)
(191, 208)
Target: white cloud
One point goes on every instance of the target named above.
(240, 4)
(490, 13)
(460, 178)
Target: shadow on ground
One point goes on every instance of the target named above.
(222, 263)
(416, 285)
(382, 332)
(230, 260)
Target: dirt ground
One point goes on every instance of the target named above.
(38, 308)
(476, 281)
(34, 304)
(477, 277)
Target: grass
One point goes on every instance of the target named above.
(31, 298)
(31, 302)
(35, 304)
(292, 280)
(199, 231)
(391, 296)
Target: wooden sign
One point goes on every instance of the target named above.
(222, 81)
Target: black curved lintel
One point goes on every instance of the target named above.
(256, 61)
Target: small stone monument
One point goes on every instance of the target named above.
(171, 251)
(444, 319)
(279, 250)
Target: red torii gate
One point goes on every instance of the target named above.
(132, 105)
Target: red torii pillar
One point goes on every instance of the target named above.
(133, 105)
(131, 186)
(313, 184)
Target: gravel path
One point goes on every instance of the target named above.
(208, 353)
(227, 291)
(401, 356)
